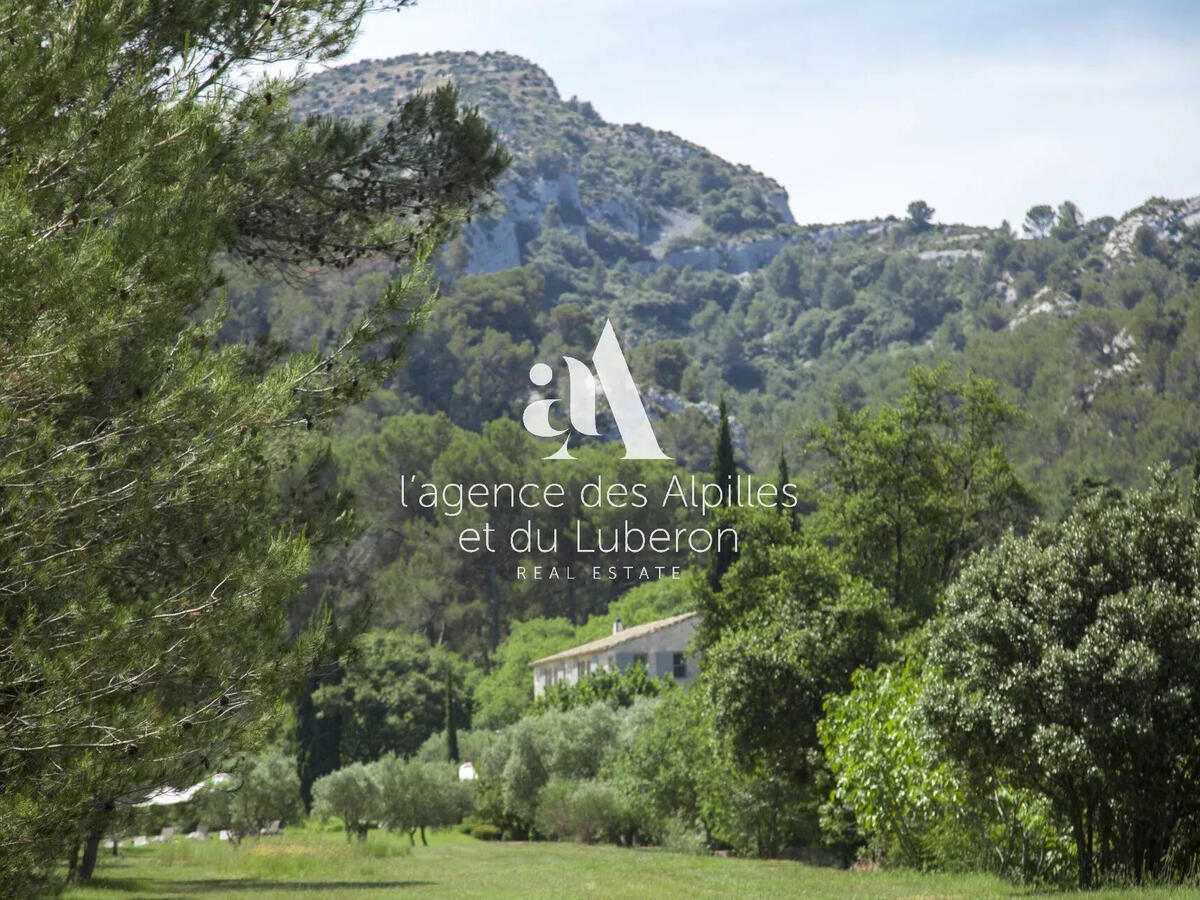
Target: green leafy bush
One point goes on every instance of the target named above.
(585, 811)
(486, 833)
(573, 745)
(609, 686)
(914, 809)
(1068, 664)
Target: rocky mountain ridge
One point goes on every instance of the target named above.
(628, 191)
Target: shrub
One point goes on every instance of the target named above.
(679, 837)
(486, 832)
(586, 811)
(577, 745)
(915, 809)
(571, 745)
(554, 809)
(609, 686)
(471, 746)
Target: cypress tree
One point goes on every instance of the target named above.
(451, 728)
(1195, 492)
(724, 474)
(781, 479)
(724, 465)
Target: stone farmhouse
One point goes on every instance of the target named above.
(660, 646)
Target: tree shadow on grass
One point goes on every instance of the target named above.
(167, 889)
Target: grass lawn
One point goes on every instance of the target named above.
(321, 864)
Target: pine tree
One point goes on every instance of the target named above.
(148, 554)
(725, 474)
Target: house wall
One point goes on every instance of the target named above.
(657, 649)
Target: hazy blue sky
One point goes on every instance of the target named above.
(982, 109)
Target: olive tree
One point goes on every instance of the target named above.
(416, 795)
(261, 790)
(352, 795)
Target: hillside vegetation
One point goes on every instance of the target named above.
(1088, 324)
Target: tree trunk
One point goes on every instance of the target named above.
(87, 864)
(424, 843)
(73, 862)
(494, 609)
(116, 842)
(1081, 848)
(898, 536)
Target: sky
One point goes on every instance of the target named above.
(980, 109)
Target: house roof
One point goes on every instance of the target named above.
(615, 640)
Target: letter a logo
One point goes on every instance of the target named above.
(617, 384)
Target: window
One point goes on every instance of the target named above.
(643, 659)
(678, 666)
(580, 669)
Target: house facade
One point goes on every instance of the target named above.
(660, 646)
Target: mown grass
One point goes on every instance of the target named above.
(321, 864)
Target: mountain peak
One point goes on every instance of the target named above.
(626, 191)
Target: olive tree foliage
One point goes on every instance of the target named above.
(263, 789)
(573, 744)
(587, 812)
(147, 556)
(1068, 663)
(416, 795)
(352, 794)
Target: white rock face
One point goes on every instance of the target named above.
(1045, 302)
(779, 203)
(1121, 360)
(829, 233)
(1167, 219)
(620, 213)
(745, 256)
(949, 255)
(678, 223)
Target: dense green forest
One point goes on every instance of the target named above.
(1087, 326)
